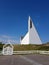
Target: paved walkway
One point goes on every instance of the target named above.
(24, 60)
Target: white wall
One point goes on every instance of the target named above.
(25, 40)
(33, 35)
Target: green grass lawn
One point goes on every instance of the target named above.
(30, 47)
(18, 47)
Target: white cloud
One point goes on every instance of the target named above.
(5, 38)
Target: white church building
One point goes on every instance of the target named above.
(31, 36)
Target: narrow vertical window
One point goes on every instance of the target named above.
(30, 24)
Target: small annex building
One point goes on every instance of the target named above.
(7, 49)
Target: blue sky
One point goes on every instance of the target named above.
(14, 18)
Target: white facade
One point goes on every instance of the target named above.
(7, 49)
(25, 40)
(32, 36)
